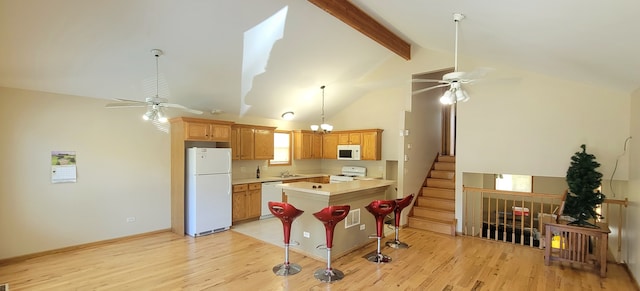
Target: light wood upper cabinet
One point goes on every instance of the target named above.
(251, 142)
(247, 143)
(371, 145)
(330, 146)
(345, 138)
(263, 143)
(307, 145)
(204, 130)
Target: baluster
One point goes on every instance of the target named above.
(488, 215)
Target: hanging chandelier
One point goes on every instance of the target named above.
(325, 127)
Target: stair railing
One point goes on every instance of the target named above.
(518, 217)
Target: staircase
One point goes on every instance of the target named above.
(434, 209)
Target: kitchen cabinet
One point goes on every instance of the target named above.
(263, 143)
(206, 130)
(347, 138)
(251, 142)
(246, 201)
(370, 141)
(330, 146)
(371, 145)
(307, 145)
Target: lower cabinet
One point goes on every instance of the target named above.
(246, 201)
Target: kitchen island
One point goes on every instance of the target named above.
(352, 232)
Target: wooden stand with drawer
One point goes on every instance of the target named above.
(576, 245)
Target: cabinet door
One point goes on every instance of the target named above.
(235, 143)
(220, 132)
(316, 146)
(263, 139)
(254, 203)
(196, 131)
(246, 143)
(239, 208)
(330, 146)
(371, 148)
(302, 145)
(355, 138)
(343, 138)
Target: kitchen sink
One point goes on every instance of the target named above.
(290, 176)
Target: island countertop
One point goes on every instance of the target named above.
(336, 188)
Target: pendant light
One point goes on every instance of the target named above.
(155, 112)
(325, 127)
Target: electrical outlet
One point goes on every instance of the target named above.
(131, 219)
(306, 234)
(362, 227)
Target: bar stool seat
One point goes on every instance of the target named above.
(401, 203)
(287, 213)
(330, 216)
(380, 209)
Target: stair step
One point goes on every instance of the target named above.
(439, 226)
(441, 183)
(439, 193)
(438, 203)
(444, 166)
(433, 213)
(443, 174)
(448, 159)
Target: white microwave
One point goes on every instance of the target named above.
(349, 152)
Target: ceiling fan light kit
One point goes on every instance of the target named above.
(324, 126)
(455, 79)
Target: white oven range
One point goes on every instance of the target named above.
(349, 173)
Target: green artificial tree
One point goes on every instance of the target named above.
(583, 181)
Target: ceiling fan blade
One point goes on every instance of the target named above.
(429, 81)
(131, 101)
(172, 105)
(126, 104)
(430, 88)
(475, 74)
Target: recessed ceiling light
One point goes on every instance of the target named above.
(287, 115)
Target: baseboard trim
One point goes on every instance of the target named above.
(81, 246)
(626, 267)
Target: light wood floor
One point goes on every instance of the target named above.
(233, 261)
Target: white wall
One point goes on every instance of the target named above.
(632, 236)
(122, 163)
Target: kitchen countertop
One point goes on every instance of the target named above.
(275, 178)
(337, 188)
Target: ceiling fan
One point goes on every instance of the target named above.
(155, 105)
(455, 79)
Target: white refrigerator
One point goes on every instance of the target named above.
(208, 190)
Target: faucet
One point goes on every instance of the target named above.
(284, 174)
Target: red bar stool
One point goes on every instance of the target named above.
(380, 209)
(287, 213)
(330, 216)
(401, 203)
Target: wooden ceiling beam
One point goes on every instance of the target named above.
(358, 19)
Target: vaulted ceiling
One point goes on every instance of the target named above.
(265, 57)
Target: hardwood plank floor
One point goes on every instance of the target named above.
(233, 261)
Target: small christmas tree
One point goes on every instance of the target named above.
(583, 181)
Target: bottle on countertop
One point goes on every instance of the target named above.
(258, 173)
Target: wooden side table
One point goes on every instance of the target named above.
(576, 243)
